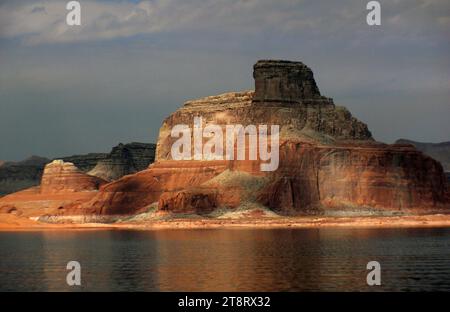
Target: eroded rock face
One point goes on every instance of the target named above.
(124, 159)
(63, 177)
(62, 183)
(134, 193)
(439, 151)
(284, 82)
(320, 123)
(311, 178)
(328, 160)
(16, 176)
(286, 95)
(84, 162)
(363, 176)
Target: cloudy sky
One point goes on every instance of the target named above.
(67, 90)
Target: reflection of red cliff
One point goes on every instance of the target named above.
(328, 159)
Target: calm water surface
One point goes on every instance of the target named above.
(226, 260)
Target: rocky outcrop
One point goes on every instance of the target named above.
(284, 82)
(124, 159)
(134, 193)
(355, 176)
(16, 176)
(312, 179)
(64, 177)
(328, 159)
(85, 162)
(439, 151)
(62, 183)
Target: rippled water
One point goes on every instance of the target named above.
(227, 260)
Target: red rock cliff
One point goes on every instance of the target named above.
(328, 159)
(62, 184)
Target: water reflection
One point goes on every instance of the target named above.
(17, 270)
(226, 260)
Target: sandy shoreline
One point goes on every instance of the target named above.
(13, 223)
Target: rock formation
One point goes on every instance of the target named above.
(122, 160)
(284, 82)
(62, 183)
(16, 176)
(85, 162)
(329, 161)
(64, 177)
(439, 151)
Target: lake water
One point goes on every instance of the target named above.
(226, 260)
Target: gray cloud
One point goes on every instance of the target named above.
(65, 91)
(101, 20)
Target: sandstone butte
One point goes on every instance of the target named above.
(62, 183)
(329, 163)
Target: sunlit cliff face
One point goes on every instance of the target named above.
(328, 161)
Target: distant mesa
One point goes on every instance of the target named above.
(329, 162)
(16, 176)
(122, 160)
(439, 151)
(62, 183)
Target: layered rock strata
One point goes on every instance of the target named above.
(85, 162)
(62, 183)
(64, 177)
(122, 160)
(439, 151)
(328, 159)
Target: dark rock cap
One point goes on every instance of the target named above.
(283, 81)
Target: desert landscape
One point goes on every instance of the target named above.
(331, 173)
(235, 150)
